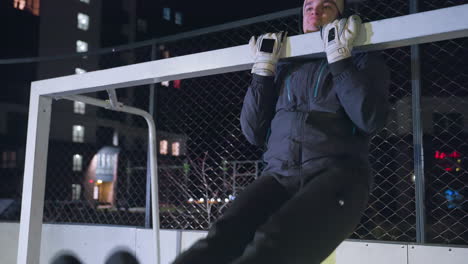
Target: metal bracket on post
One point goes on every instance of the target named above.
(113, 102)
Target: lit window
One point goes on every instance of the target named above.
(115, 138)
(77, 162)
(19, 4)
(106, 164)
(178, 18)
(79, 107)
(78, 133)
(76, 191)
(165, 83)
(85, 1)
(83, 21)
(167, 14)
(108, 161)
(96, 192)
(175, 149)
(81, 46)
(79, 71)
(29, 5)
(163, 147)
(102, 160)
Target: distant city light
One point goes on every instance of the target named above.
(96, 193)
(454, 199)
(163, 147)
(167, 13)
(442, 155)
(81, 46)
(83, 21)
(79, 71)
(77, 162)
(79, 107)
(178, 18)
(78, 133)
(115, 138)
(175, 149)
(31, 6)
(19, 4)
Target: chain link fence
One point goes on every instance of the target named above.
(444, 100)
(97, 165)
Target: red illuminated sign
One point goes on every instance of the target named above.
(446, 163)
(442, 155)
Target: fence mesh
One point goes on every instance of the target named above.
(98, 174)
(444, 99)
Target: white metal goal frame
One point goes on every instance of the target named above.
(436, 25)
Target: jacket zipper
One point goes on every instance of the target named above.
(303, 115)
(288, 88)
(321, 68)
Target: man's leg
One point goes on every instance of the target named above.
(313, 222)
(229, 236)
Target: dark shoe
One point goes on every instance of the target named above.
(122, 257)
(66, 258)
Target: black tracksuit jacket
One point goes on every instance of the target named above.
(313, 115)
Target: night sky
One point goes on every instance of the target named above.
(214, 12)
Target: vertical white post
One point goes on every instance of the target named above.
(154, 185)
(29, 242)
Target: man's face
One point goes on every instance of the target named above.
(317, 13)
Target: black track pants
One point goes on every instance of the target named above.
(268, 225)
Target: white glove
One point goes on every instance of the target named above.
(266, 51)
(338, 37)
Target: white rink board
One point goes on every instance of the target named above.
(93, 243)
(437, 255)
(8, 242)
(145, 245)
(357, 252)
(190, 237)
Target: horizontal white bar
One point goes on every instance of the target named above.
(442, 24)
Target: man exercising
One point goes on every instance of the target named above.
(316, 117)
